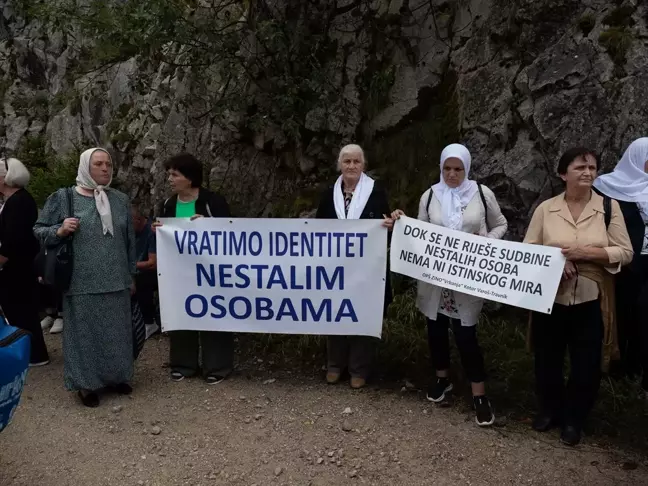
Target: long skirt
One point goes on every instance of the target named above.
(97, 340)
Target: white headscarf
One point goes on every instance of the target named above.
(85, 181)
(628, 182)
(454, 200)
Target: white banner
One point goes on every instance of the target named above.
(520, 275)
(290, 276)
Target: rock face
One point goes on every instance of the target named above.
(517, 81)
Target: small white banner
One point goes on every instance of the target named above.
(290, 276)
(517, 274)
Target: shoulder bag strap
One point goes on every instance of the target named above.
(427, 206)
(483, 199)
(607, 210)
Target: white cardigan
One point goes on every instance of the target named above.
(474, 221)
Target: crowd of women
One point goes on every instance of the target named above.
(599, 316)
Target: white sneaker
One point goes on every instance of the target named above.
(151, 329)
(47, 323)
(57, 328)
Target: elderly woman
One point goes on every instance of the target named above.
(97, 337)
(595, 242)
(628, 185)
(18, 248)
(461, 204)
(191, 200)
(354, 196)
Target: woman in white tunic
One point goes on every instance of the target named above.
(458, 203)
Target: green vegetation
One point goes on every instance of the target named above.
(620, 16)
(49, 172)
(617, 41)
(59, 172)
(587, 23)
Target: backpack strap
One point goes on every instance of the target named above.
(483, 199)
(607, 210)
(427, 206)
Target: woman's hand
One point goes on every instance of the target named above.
(397, 214)
(156, 225)
(388, 222)
(576, 253)
(69, 226)
(569, 271)
(195, 217)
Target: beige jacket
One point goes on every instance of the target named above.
(474, 221)
(553, 225)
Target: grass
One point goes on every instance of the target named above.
(402, 355)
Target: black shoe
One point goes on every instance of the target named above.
(437, 390)
(177, 376)
(484, 412)
(89, 398)
(124, 389)
(570, 435)
(543, 422)
(214, 379)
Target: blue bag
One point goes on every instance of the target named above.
(15, 346)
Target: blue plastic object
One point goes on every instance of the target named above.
(15, 345)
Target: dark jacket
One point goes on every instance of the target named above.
(636, 228)
(208, 204)
(17, 239)
(377, 206)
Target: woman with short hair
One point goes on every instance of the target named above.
(458, 203)
(18, 249)
(191, 200)
(98, 331)
(594, 240)
(354, 195)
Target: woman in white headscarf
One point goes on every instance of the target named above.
(354, 195)
(97, 337)
(461, 204)
(628, 184)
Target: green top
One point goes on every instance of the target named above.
(185, 209)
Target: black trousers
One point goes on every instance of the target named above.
(19, 302)
(145, 287)
(471, 355)
(579, 330)
(51, 300)
(632, 318)
(217, 352)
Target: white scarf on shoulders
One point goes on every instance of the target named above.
(453, 200)
(358, 201)
(85, 181)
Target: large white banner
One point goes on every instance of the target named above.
(520, 275)
(289, 276)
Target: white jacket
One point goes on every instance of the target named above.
(474, 221)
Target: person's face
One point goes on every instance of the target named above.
(101, 167)
(454, 172)
(139, 222)
(177, 181)
(352, 167)
(580, 173)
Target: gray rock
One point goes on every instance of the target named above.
(156, 430)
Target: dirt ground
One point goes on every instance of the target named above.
(261, 428)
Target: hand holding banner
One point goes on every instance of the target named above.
(517, 274)
(272, 275)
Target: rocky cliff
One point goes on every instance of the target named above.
(517, 81)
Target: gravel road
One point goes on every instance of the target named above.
(261, 428)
